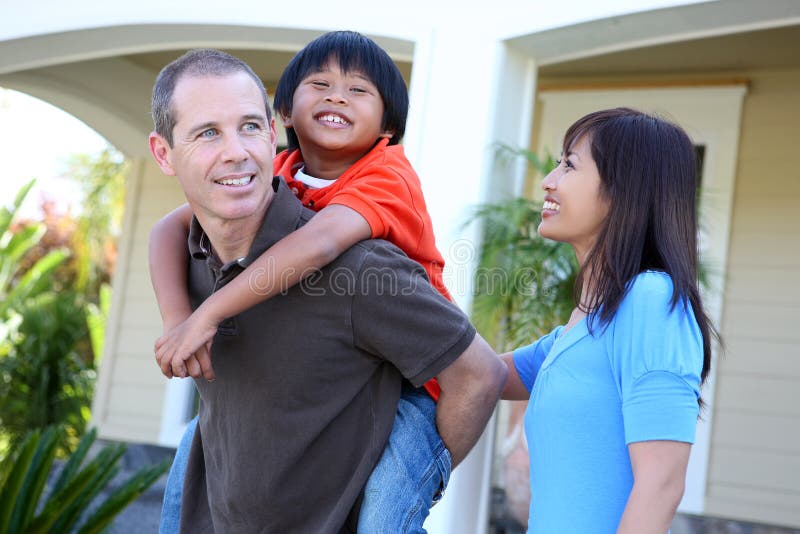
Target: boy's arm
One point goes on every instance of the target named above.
(329, 233)
(168, 257)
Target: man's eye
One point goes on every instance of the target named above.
(252, 127)
(208, 134)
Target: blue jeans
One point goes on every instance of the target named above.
(412, 473)
(173, 492)
(410, 476)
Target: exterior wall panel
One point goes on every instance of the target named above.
(754, 471)
(130, 393)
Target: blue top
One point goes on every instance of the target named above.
(593, 394)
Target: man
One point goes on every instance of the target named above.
(307, 383)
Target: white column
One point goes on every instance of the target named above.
(468, 91)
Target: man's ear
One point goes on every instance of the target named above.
(162, 153)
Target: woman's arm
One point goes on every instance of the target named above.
(659, 474)
(309, 248)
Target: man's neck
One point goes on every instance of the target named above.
(231, 239)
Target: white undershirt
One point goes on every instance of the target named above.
(310, 181)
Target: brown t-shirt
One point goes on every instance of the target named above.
(308, 383)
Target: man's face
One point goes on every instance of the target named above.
(223, 147)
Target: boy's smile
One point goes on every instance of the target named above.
(337, 117)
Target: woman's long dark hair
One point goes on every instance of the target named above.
(648, 174)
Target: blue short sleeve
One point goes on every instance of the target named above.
(657, 353)
(528, 360)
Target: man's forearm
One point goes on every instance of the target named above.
(471, 388)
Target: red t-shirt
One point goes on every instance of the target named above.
(384, 189)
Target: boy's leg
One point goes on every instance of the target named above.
(412, 472)
(171, 508)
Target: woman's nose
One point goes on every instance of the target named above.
(549, 181)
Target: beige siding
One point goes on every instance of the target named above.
(754, 470)
(130, 392)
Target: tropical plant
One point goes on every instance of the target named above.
(101, 178)
(54, 297)
(523, 288)
(28, 505)
(45, 379)
(523, 283)
(14, 246)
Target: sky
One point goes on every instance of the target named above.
(36, 141)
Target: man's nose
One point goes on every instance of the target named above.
(234, 149)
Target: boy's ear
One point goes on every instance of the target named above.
(273, 137)
(162, 153)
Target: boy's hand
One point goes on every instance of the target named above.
(199, 364)
(187, 345)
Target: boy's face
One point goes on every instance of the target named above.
(336, 112)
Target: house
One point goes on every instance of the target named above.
(516, 72)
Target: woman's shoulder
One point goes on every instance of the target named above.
(650, 285)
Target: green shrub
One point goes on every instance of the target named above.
(70, 501)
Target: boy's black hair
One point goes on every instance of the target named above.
(353, 52)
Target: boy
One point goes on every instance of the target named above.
(344, 105)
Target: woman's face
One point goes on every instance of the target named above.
(574, 209)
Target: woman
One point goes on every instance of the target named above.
(615, 393)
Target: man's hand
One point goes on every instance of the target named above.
(185, 350)
(471, 386)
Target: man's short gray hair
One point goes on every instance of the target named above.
(198, 62)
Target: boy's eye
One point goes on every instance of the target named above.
(319, 83)
(358, 89)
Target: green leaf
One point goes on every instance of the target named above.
(101, 469)
(16, 477)
(23, 241)
(31, 491)
(36, 278)
(123, 496)
(6, 214)
(80, 502)
(75, 460)
(60, 501)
